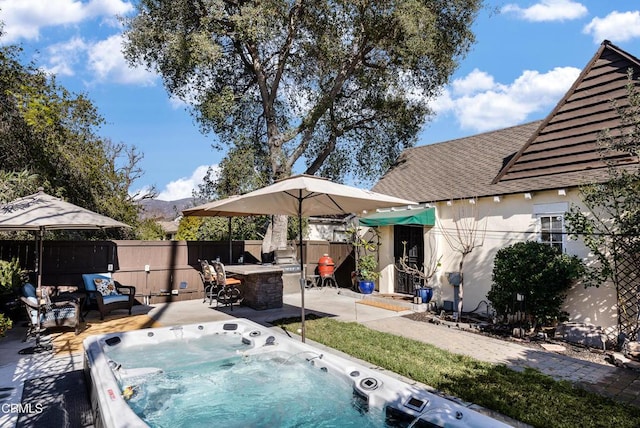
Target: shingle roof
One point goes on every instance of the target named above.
(454, 169)
(558, 152)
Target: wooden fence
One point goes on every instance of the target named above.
(164, 270)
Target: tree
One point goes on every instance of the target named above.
(469, 233)
(14, 184)
(340, 88)
(150, 230)
(188, 228)
(543, 289)
(610, 227)
(48, 139)
(428, 270)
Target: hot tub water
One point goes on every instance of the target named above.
(241, 374)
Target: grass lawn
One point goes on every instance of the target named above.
(530, 396)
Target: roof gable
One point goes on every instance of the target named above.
(566, 144)
(454, 169)
(558, 152)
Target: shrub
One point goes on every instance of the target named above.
(10, 276)
(539, 273)
(5, 324)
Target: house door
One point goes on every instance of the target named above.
(414, 237)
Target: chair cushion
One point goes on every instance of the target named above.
(28, 290)
(88, 278)
(57, 314)
(115, 298)
(105, 286)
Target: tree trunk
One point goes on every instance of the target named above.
(460, 288)
(276, 235)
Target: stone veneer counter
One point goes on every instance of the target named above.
(261, 285)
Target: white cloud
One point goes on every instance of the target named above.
(103, 60)
(476, 81)
(548, 10)
(176, 103)
(491, 105)
(183, 187)
(23, 19)
(63, 56)
(617, 27)
(108, 64)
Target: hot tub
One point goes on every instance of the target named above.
(239, 373)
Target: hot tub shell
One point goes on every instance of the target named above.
(374, 388)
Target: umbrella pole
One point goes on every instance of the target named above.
(39, 250)
(302, 272)
(40, 236)
(39, 347)
(230, 244)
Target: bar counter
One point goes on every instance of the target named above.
(261, 285)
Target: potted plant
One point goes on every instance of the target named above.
(367, 273)
(365, 250)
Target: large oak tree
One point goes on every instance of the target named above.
(335, 88)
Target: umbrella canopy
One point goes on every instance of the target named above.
(41, 211)
(300, 196)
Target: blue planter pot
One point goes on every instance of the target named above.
(366, 287)
(425, 293)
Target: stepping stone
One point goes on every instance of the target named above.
(553, 348)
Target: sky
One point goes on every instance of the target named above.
(526, 56)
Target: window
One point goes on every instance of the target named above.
(550, 219)
(552, 231)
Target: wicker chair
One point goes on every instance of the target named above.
(55, 312)
(106, 294)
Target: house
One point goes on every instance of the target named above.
(509, 185)
(169, 228)
(328, 228)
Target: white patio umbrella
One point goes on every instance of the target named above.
(300, 196)
(41, 212)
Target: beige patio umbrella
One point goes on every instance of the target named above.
(41, 212)
(299, 196)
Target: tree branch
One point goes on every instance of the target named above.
(294, 14)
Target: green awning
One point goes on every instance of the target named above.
(417, 216)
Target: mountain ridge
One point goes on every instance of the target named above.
(159, 209)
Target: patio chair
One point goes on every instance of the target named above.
(54, 312)
(228, 293)
(208, 277)
(106, 294)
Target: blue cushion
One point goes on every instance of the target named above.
(115, 298)
(88, 278)
(28, 290)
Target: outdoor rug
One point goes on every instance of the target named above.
(69, 343)
(59, 401)
(387, 306)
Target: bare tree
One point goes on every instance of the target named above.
(432, 262)
(468, 233)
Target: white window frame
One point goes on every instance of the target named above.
(552, 211)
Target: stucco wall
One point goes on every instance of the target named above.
(512, 219)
